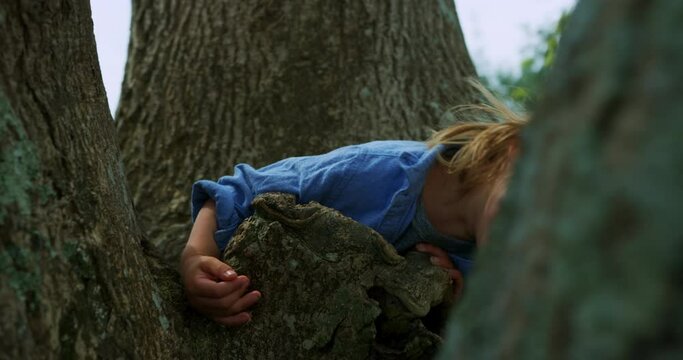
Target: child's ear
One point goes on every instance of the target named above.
(513, 149)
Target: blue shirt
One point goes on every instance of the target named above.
(377, 184)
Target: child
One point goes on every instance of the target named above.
(437, 197)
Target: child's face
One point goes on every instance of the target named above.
(496, 194)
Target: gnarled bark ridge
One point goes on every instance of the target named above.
(333, 288)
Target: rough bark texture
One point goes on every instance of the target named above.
(212, 83)
(74, 282)
(587, 257)
(334, 288)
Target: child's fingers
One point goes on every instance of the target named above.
(218, 269)
(443, 262)
(234, 320)
(228, 301)
(223, 306)
(245, 302)
(458, 282)
(431, 250)
(439, 257)
(209, 288)
(229, 305)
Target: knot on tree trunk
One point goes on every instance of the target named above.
(332, 288)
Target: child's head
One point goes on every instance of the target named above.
(487, 151)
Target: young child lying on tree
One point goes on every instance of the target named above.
(438, 197)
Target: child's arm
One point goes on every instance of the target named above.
(212, 286)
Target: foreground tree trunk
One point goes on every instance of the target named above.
(213, 83)
(587, 257)
(74, 280)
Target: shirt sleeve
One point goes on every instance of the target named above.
(310, 178)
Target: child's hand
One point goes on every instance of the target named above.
(215, 290)
(440, 258)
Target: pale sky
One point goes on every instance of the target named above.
(498, 34)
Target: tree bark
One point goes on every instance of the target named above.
(212, 83)
(334, 288)
(586, 259)
(74, 281)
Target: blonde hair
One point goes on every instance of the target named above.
(487, 139)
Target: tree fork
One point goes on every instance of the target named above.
(212, 83)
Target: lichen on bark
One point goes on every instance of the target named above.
(332, 288)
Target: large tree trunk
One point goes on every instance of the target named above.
(74, 281)
(212, 83)
(586, 260)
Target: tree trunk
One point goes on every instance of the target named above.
(586, 259)
(212, 83)
(74, 280)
